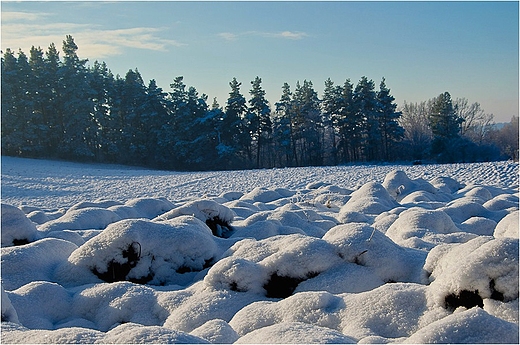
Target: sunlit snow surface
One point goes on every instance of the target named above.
(363, 253)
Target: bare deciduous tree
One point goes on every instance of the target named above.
(476, 123)
(417, 132)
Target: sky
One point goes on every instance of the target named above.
(422, 49)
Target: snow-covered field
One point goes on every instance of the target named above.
(369, 254)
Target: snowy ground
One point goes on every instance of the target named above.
(369, 254)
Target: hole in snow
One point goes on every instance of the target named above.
(219, 227)
(465, 298)
(20, 242)
(117, 271)
(186, 269)
(283, 286)
(496, 295)
(234, 287)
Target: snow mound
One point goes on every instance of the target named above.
(16, 334)
(81, 219)
(480, 192)
(473, 326)
(295, 333)
(133, 333)
(34, 261)
(216, 331)
(446, 184)
(128, 333)
(261, 195)
(361, 244)
(312, 308)
(144, 251)
(420, 228)
(273, 267)
(9, 314)
(216, 216)
(17, 229)
(466, 274)
(502, 202)
(390, 311)
(372, 198)
(104, 306)
(399, 185)
(96, 204)
(41, 304)
(147, 207)
(508, 226)
(207, 304)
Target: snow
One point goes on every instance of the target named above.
(350, 254)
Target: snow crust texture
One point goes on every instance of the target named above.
(356, 254)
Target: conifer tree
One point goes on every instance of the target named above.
(193, 134)
(443, 118)
(365, 103)
(284, 135)
(101, 82)
(135, 130)
(445, 125)
(388, 116)
(260, 124)
(224, 154)
(161, 140)
(308, 124)
(331, 103)
(12, 122)
(349, 124)
(75, 105)
(232, 129)
(52, 118)
(38, 94)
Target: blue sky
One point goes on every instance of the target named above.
(469, 49)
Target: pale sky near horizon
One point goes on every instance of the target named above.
(469, 49)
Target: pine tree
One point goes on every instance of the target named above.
(349, 124)
(193, 134)
(388, 116)
(446, 126)
(135, 130)
(52, 115)
(12, 123)
(308, 124)
(101, 82)
(224, 153)
(75, 105)
(260, 124)
(443, 118)
(331, 109)
(232, 130)
(38, 95)
(284, 135)
(203, 136)
(365, 103)
(161, 139)
(28, 129)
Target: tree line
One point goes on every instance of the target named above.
(55, 107)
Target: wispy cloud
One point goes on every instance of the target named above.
(228, 36)
(17, 16)
(291, 35)
(19, 30)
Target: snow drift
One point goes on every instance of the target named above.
(401, 257)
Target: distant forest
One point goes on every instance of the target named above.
(62, 108)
